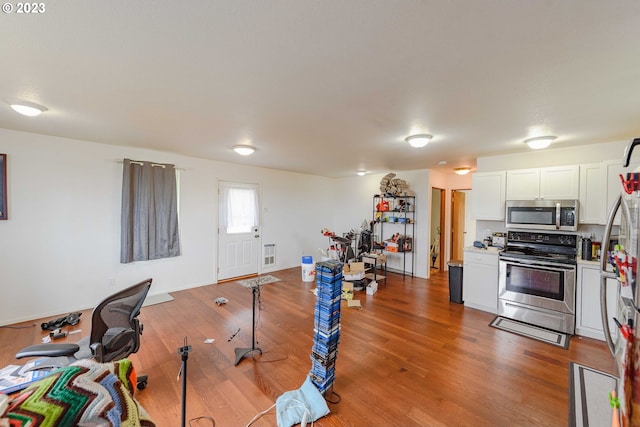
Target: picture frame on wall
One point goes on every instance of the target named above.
(3, 186)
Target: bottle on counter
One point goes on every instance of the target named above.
(586, 248)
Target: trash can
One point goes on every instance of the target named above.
(455, 281)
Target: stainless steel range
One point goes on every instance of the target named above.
(537, 279)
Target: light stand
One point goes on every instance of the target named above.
(242, 352)
(184, 352)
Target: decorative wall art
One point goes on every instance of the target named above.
(3, 186)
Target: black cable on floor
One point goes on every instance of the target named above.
(286, 356)
(204, 417)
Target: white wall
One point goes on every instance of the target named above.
(59, 249)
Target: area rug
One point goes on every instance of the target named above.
(156, 299)
(258, 281)
(589, 396)
(550, 337)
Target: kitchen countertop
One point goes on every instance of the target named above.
(490, 249)
(594, 263)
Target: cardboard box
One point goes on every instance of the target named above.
(353, 271)
(356, 266)
(372, 288)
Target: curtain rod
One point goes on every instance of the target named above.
(135, 162)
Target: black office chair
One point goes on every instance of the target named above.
(115, 333)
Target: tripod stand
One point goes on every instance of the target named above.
(184, 352)
(242, 352)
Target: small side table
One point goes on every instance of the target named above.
(376, 260)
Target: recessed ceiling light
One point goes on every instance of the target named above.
(26, 108)
(244, 150)
(462, 171)
(442, 162)
(539, 142)
(361, 172)
(418, 141)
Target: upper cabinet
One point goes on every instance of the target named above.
(487, 197)
(523, 184)
(592, 184)
(551, 183)
(595, 185)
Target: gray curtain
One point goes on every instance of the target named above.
(149, 221)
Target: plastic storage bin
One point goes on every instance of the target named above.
(455, 281)
(308, 269)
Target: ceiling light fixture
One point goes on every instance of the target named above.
(244, 150)
(361, 173)
(418, 141)
(462, 171)
(26, 108)
(539, 142)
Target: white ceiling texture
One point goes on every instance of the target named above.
(326, 87)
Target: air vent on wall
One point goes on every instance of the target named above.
(269, 254)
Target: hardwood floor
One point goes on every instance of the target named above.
(409, 357)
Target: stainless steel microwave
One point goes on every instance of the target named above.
(560, 215)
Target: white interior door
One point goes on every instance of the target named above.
(238, 229)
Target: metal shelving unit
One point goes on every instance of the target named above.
(394, 216)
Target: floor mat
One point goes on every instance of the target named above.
(589, 396)
(258, 281)
(156, 299)
(550, 337)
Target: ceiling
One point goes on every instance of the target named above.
(327, 87)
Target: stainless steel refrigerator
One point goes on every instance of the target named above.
(619, 262)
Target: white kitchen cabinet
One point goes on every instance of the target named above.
(523, 184)
(588, 316)
(592, 194)
(488, 195)
(480, 280)
(550, 183)
(613, 184)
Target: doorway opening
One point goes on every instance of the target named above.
(436, 261)
(238, 230)
(462, 226)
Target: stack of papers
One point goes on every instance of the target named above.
(14, 378)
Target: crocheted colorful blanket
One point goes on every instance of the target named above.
(84, 393)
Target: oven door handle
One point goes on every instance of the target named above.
(558, 216)
(539, 264)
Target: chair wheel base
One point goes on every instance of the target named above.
(142, 382)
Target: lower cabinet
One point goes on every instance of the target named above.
(588, 316)
(480, 280)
